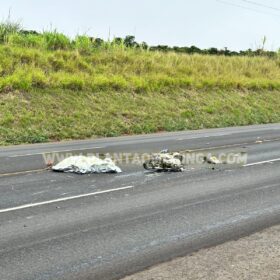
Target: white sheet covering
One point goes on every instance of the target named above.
(86, 165)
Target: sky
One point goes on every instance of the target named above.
(236, 24)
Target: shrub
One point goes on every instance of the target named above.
(35, 41)
(18, 80)
(24, 79)
(139, 84)
(38, 78)
(73, 83)
(56, 41)
(16, 39)
(83, 44)
(68, 81)
(106, 83)
(6, 64)
(26, 40)
(56, 63)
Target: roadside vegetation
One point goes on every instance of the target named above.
(53, 87)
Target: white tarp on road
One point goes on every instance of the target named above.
(85, 165)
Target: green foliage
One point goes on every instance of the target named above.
(46, 115)
(8, 28)
(120, 69)
(53, 88)
(129, 41)
(26, 40)
(12, 33)
(56, 41)
(12, 137)
(102, 83)
(68, 81)
(83, 44)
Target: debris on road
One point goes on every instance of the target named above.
(86, 165)
(212, 160)
(258, 141)
(165, 161)
(49, 164)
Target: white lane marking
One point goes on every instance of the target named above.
(262, 162)
(62, 199)
(23, 172)
(230, 145)
(203, 136)
(52, 152)
(36, 193)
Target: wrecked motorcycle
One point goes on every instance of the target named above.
(165, 161)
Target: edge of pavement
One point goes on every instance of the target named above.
(29, 158)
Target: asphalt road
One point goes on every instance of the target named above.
(66, 226)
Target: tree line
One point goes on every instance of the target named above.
(129, 41)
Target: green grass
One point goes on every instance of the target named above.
(54, 89)
(44, 115)
(122, 69)
(8, 28)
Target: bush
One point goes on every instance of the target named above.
(24, 79)
(6, 64)
(38, 78)
(73, 83)
(83, 44)
(68, 81)
(26, 40)
(19, 80)
(56, 63)
(106, 83)
(56, 41)
(16, 39)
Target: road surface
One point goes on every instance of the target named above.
(66, 226)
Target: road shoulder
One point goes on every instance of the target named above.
(254, 257)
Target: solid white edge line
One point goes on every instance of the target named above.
(30, 205)
(261, 162)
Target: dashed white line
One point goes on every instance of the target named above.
(30, 205)
(262, 162)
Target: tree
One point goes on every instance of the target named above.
(129, 41)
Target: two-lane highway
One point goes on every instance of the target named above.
(66, 226)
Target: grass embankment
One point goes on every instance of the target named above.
(50, 95)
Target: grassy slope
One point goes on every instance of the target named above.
(54, 95)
